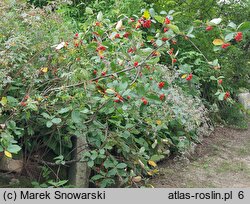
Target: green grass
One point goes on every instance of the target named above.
(232, 167)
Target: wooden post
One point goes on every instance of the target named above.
(79, 171)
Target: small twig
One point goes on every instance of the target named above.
(55, 164)
(198, 50)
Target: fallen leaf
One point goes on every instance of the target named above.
(8, 154)
(4, 101)
(158, 122)
(152, 163)
(44, 69)
(218, 42)
(136, 179)
(152, 172)
(184, 76)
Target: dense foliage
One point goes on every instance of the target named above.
(133, 86)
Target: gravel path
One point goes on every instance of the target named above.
(222, 160)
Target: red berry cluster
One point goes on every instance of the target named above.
(238, 37)
(144, 101)
(227, 95)
(161, 84)
(190, 76)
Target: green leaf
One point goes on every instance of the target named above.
(158, 42)
(107, 182)
(174, 28)
(14, 149)
(88, 11)
(229, 37)
(46, 115)
(11, 125)
(109, 163)
(97, 177)
(49, 124)
(157, 158)
(121, 166)
(176, 13)
(216, 21)
(190, 30)
(100, 16)
(221, 96)
(213, 78)
(75, 116)
(63, 110)
(232, 25)
(152, 12)
(112, 172)
(159, 19)
(90, 163)
(56, 120)
(245, 26)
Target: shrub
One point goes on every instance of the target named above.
(103, 83)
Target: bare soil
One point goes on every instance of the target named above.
(221, 161)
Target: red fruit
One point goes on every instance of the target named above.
(126, 35)
(165, 30)
(23, 103)
(170, 52)
(150, 78)
(190, 76)
(130, 50)
(208, 28)
(174, 60)
(117, 101)
(101, 57)
(101, 47)
(128, 97)
(161, 84)
(145, 102)
(76, 44)
(227, 95)
(132, 20)
(76, 35)
(138, 26)
(162, 97)
(154, 53)
(164, 39)
(136, 64)
(97, 23)
(174, 42)
(103, 73)
(119, 96)
(238, 36)
(94, 72)
(95, 33)
(225, 45)
(146, 24)
(26, 97)
(220, 81)
(167, 21)
(117, 35)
